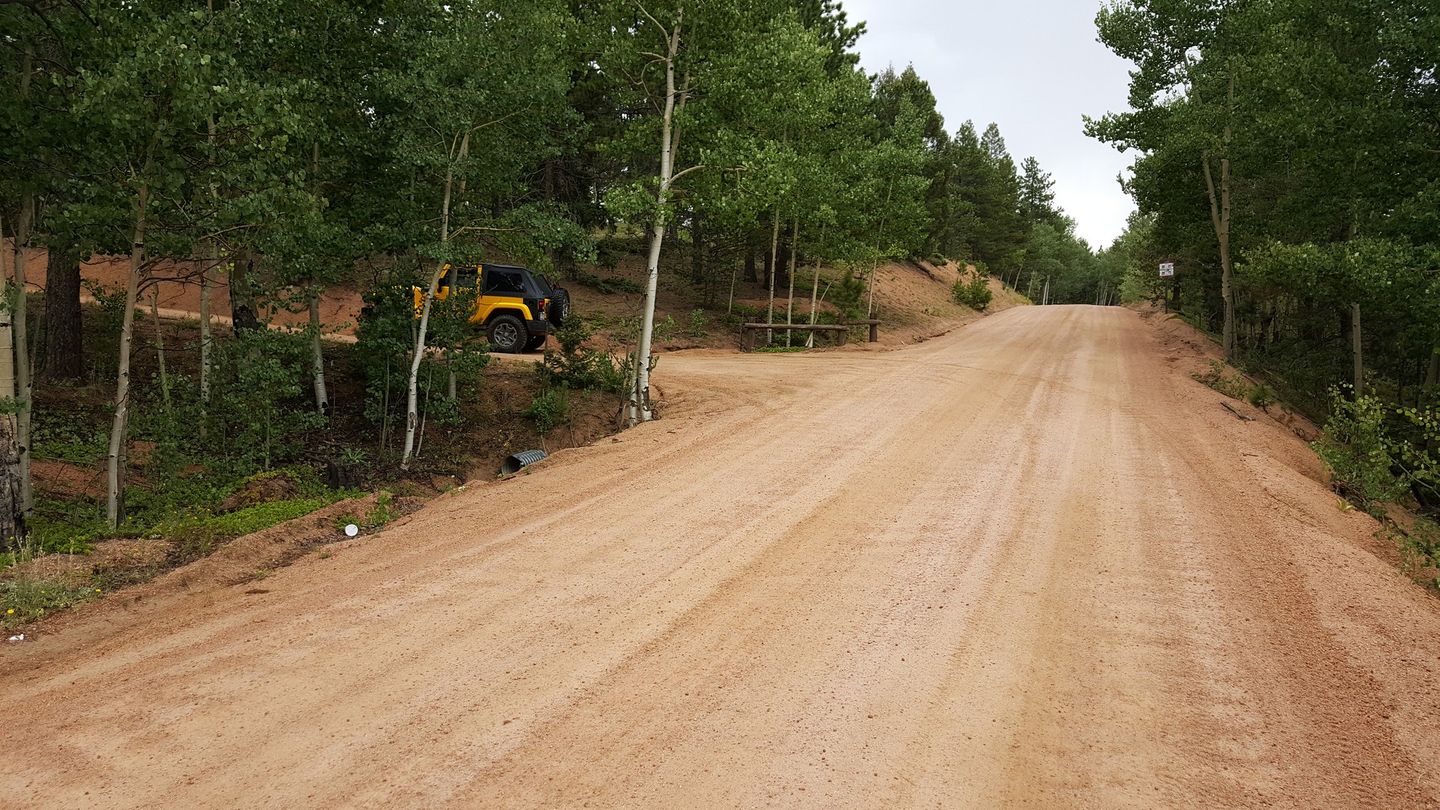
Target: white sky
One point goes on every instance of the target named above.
(1031, 66)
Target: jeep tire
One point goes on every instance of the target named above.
(507, 334)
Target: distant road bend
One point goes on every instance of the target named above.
(1028, 563)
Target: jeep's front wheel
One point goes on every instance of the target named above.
(507, 334)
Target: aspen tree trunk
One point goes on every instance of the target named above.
(12, 513)
(214, 255)
(115, 459)
(770, 282)
(790, 300)
(20, 320)
(317, 356)
(412, 405)
(870, 298)
(814, 300)
(1357, 350)
(159, 346)
(638, 409)
(1220, 220)
(204, 339)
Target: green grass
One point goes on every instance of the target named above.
(24, 599)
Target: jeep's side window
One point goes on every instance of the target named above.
(465, 278)
(502, 282)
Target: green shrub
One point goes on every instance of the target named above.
(698, 322)
(848, 295)
(549, 409)
(1355, 447)
(974, 293)
(581, 367)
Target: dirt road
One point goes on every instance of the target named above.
(1029, 563)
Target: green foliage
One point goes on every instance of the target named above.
(549, 409)
(196, 533)
(580, 366)
(974, 293)
(1358, 450)
(698, 323)
(1327, 133)
(848, 295)
(25, 598)
(1222, 378)
(385, 337)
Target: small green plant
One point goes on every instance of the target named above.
(974, 293)
(1220, 377)
(382, 512)
(1261, 396)
(549, 409)
(1420, 549)
(25, 599)
(698, 322)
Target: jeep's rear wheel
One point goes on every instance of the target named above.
(559, 306)
(507, 334)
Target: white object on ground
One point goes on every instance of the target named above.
(351, 530)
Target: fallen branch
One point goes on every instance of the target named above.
(1242, 417)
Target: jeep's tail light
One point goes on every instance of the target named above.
(544, 302)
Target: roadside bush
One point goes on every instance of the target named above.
(549, 409)
(848, 295)
(1355, 448)
(581, 367)
(974, 293)
(698, 322)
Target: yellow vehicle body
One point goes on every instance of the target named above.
(512, 305)
(486, 304)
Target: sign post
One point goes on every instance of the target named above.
(1167, 270)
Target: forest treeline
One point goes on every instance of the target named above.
(1289, 166)
(277, 148)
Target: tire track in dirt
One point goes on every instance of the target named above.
(1023, 564)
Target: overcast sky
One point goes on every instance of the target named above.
(1031, 66)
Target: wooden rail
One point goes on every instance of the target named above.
(840, 330)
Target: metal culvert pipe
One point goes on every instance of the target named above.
(520, 461)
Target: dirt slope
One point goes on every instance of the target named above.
(1026, 563)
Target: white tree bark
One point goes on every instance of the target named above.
(790, 299)
(412, 388)
(814, 302)
(12, 522)
(638, 409)
(770, 282)
(159, 345)
(317, 356)
(115, 459)
(204, 337)
(21, 339)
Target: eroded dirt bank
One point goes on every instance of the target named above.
(1025, 563)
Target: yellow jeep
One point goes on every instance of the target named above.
(516, 306)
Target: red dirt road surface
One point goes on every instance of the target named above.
(1028, 563)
